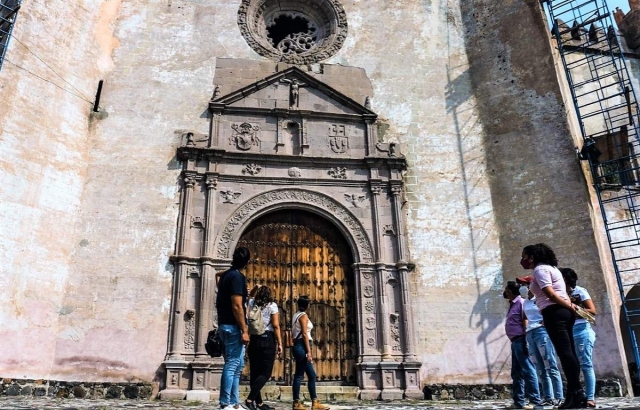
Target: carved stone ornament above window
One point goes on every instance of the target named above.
(293, 31)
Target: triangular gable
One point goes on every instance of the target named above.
(317, 90)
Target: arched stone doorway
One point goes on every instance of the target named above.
(296, 253)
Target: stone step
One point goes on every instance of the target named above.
(325, 393)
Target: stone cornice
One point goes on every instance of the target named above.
(223, 156)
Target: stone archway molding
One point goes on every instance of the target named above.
(233, 227)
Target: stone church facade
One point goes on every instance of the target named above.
(390, 161)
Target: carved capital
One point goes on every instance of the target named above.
(396, 190)
(212, 183)
(375, 190)
(189, 180)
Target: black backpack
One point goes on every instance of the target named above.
(214, 344)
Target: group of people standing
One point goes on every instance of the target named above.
(233, 301)
(545, 319)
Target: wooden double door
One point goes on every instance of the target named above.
(299, 253)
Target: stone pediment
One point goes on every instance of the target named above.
(294, 90)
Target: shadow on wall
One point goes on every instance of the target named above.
(486, 315)
(525, 144)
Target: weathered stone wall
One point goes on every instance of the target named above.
(491, 169)
(45, 137)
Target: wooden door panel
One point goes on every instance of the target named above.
(298, 253)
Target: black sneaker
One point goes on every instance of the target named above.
(250, 405)
(265, 406)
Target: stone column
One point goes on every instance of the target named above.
(403, 273)
(176, 347)
(208, 284)
(383, 320)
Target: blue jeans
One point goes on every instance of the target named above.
(233, 354)
(543, 357)
(303, 366)
(584, 338)
(523, 374)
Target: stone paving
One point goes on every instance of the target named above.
(24, 403)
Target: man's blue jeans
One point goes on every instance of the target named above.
(584, 338)
(233, 354)
(543, 357)
(523, 374)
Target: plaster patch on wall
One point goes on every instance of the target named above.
(166, 305)
(104, 34)
(169, 191)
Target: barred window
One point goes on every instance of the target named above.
(8, 14)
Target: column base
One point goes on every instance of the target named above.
(199, 395)
(369, 394)
(173, 394)
(391, 394)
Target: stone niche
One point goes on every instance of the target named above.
(289, 139)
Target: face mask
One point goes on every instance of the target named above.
(524, 291)
(504, 295)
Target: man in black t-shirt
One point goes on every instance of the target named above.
(232, 326)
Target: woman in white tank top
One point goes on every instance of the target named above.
(301, 327)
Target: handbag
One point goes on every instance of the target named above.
(288, 337)
(213, 345)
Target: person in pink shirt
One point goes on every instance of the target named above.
(558, 314)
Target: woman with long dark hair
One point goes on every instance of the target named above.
(558, 314)
(263, 348)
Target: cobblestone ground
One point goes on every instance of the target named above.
(86, 404)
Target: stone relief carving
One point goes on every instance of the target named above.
(193, 271)
(189, 330)
(370, 323)
(252, 169)
(338, 173)
(355, 199)
(295, 172)
(338, 139)
(294, 90)
(395, 330)
(369, 306)
(392, 278)
(371, 341)
(200, 380)
(197, 222)
(368, 291)
(249, 208)
(229, 195)
(174, 379)
(245, 136)
(389, 230)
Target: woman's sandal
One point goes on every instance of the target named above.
(591, 404)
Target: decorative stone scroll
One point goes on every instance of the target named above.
(247, 210)
(252, 169)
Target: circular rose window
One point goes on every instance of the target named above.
(293, 31)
